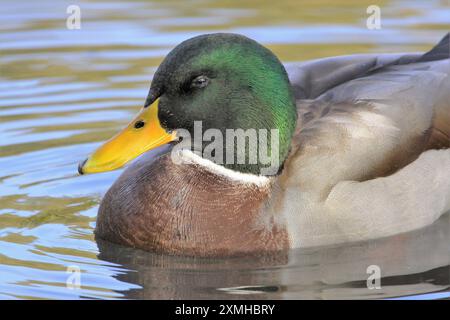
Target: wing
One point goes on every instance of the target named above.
(368, 116)
(312, 78)
(360, 167)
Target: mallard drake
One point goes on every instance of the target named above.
(362, 151)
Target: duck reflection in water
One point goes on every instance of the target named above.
(417, 262)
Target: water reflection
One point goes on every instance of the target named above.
(410, 264)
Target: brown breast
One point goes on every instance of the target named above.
(188, 210)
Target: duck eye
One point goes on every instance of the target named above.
(200, 82)
(139, 124)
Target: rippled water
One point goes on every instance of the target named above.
(64, 91)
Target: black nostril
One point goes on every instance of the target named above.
(80, 166)
(139, 124)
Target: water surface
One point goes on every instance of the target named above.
(63, 92)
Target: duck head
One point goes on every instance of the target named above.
(221, 82)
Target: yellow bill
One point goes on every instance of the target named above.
(142, 134)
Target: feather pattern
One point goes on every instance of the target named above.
(365, 161)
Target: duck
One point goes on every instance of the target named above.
(238, 154)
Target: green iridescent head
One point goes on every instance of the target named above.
(226, 81)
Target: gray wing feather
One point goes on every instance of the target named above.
(414, 89)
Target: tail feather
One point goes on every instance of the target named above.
(439, 52)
